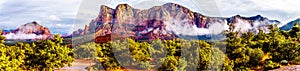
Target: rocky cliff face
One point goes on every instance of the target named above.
(165, 22)
(32, 30)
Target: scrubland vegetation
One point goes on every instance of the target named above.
(239, 51)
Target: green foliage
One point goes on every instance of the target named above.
(244, 51)
(88, 50)
(11, 58)
(255, 55)
(106, 58)
(247, 57)
(282, 48)
(270, 65)
(171, 63)
(48, 54)
(144, 65)
(233, 42)
(289, 50)
(294, 32)
(2, 39)
(247, 50)
(228, 65)
(297, 59)
(205, 51)
(180, 55)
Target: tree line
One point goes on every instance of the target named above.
(43, 55)
(239, 51)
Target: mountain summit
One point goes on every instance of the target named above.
(32, 30)
(166, 22)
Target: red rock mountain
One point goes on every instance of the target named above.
(164, 22)
(32, 30)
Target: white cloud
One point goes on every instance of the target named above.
(54, 18)
(290, 6)
(218, 27)
(24, 36)
(242, 26)
(282, 10)
(15, 13)
(1, 2)
(183, 27)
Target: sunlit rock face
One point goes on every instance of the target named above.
(165, 22)
(32, 30)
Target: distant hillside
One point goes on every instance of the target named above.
(289, 25)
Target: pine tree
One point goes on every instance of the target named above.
(276, 39)
(261, 41)
(247, 38)
(294, 32)
(233, 42)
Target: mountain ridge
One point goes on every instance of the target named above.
(289, 25)
(166, 22)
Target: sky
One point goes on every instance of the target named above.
(63, 16)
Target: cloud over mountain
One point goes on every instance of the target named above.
(64, 12)
(48, 12)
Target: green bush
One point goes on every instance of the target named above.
(287, 51)
(11, 58)
(87, 50)
(171, 63)
(244, 58)
(48, 54)
(228, 65)
(271, 65)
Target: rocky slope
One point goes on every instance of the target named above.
(165, 22)
(32, 30)
(290, 25)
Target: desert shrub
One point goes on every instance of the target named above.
(287, 51)
(271, 65)
(171, 63)
(87, 50)
(48, 54)
(244, 58)
(11, 58)
(105, 58)
(228, 65)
